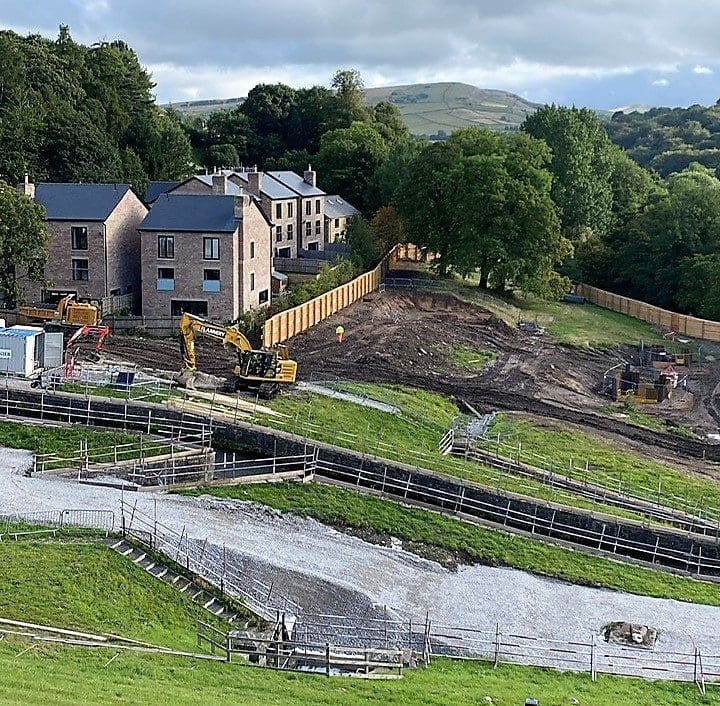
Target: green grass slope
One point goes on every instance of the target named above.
(87, 586)
(51, 676)
(428, 108)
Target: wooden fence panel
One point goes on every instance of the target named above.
(680, 323)
(287, 324)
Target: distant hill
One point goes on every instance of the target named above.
(633, 108)
(205, 106)
(428, 108)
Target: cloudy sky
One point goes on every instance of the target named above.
(599, 53)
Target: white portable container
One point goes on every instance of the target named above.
(21, 350)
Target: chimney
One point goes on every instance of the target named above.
(241, 202)
(255, 180)
(252, 169)
(309, 176)
(27, 187)
(219, 184)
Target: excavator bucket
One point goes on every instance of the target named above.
(186, 378)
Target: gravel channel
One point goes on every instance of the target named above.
(329, 572)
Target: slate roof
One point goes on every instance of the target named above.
(296, 183)
(155, 188)
(79, 202)
(232, 189)
(272, 188)
(213, 213)
(336, 207)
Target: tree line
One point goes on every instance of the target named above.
(70, 112)
(532, 210)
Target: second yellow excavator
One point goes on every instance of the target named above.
(262, 370)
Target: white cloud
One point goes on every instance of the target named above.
(661, 82)
(702, 70)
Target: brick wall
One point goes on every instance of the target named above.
(123, 245)
(314, 218)
(255, 230)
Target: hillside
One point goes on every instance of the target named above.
(427, 108)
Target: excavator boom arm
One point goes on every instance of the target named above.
(192, 326)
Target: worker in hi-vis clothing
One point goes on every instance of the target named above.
(339, 333)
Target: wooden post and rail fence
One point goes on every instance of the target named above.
(287, 324)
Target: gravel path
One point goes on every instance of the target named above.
(325, 570)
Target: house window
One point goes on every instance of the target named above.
(313, 245)
(263, 296)
(179, 307)
(337, 222)
(317, 228)
(80, 270)
(166, 247)
(211, 281)
(252, 249)
(278, 210)
(308, 207)
(278, 233)
(317, 205)
(284, 252)
(308, 228)
(166, 279)
(290, 231)
(78, 235)
(211, 248)
(252, 281)
(290, 209)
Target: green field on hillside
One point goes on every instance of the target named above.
(638, 475)
(68, 676)
(86, 586)
(411, 437)
(451, 541)
(584, 325)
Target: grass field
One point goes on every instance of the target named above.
(448, 540)
(583, 325)
(59, 440)
(411, 437)
(71, 676)
(86, 586)
(637, 474)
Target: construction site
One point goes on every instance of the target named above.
(416, 398)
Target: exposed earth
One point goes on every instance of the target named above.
(410, 338)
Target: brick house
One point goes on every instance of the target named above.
(208, 256)
(311, 211)
(279, 203)
(337, 213)
(94, 248)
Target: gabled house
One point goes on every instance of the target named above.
(94, 249)
(208, 256)
(337, 213)
(279, 203)
(310, 218)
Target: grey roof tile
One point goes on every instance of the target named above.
(80, 202)
(155, 188)
(213, 213)
(337, 207)
(296, 183)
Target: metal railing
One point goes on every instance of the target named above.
(545, 523)
(205, 561)
(97, 519)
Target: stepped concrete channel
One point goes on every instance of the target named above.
(328, 572)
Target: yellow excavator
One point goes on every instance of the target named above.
(262, 370)
(67, 312)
